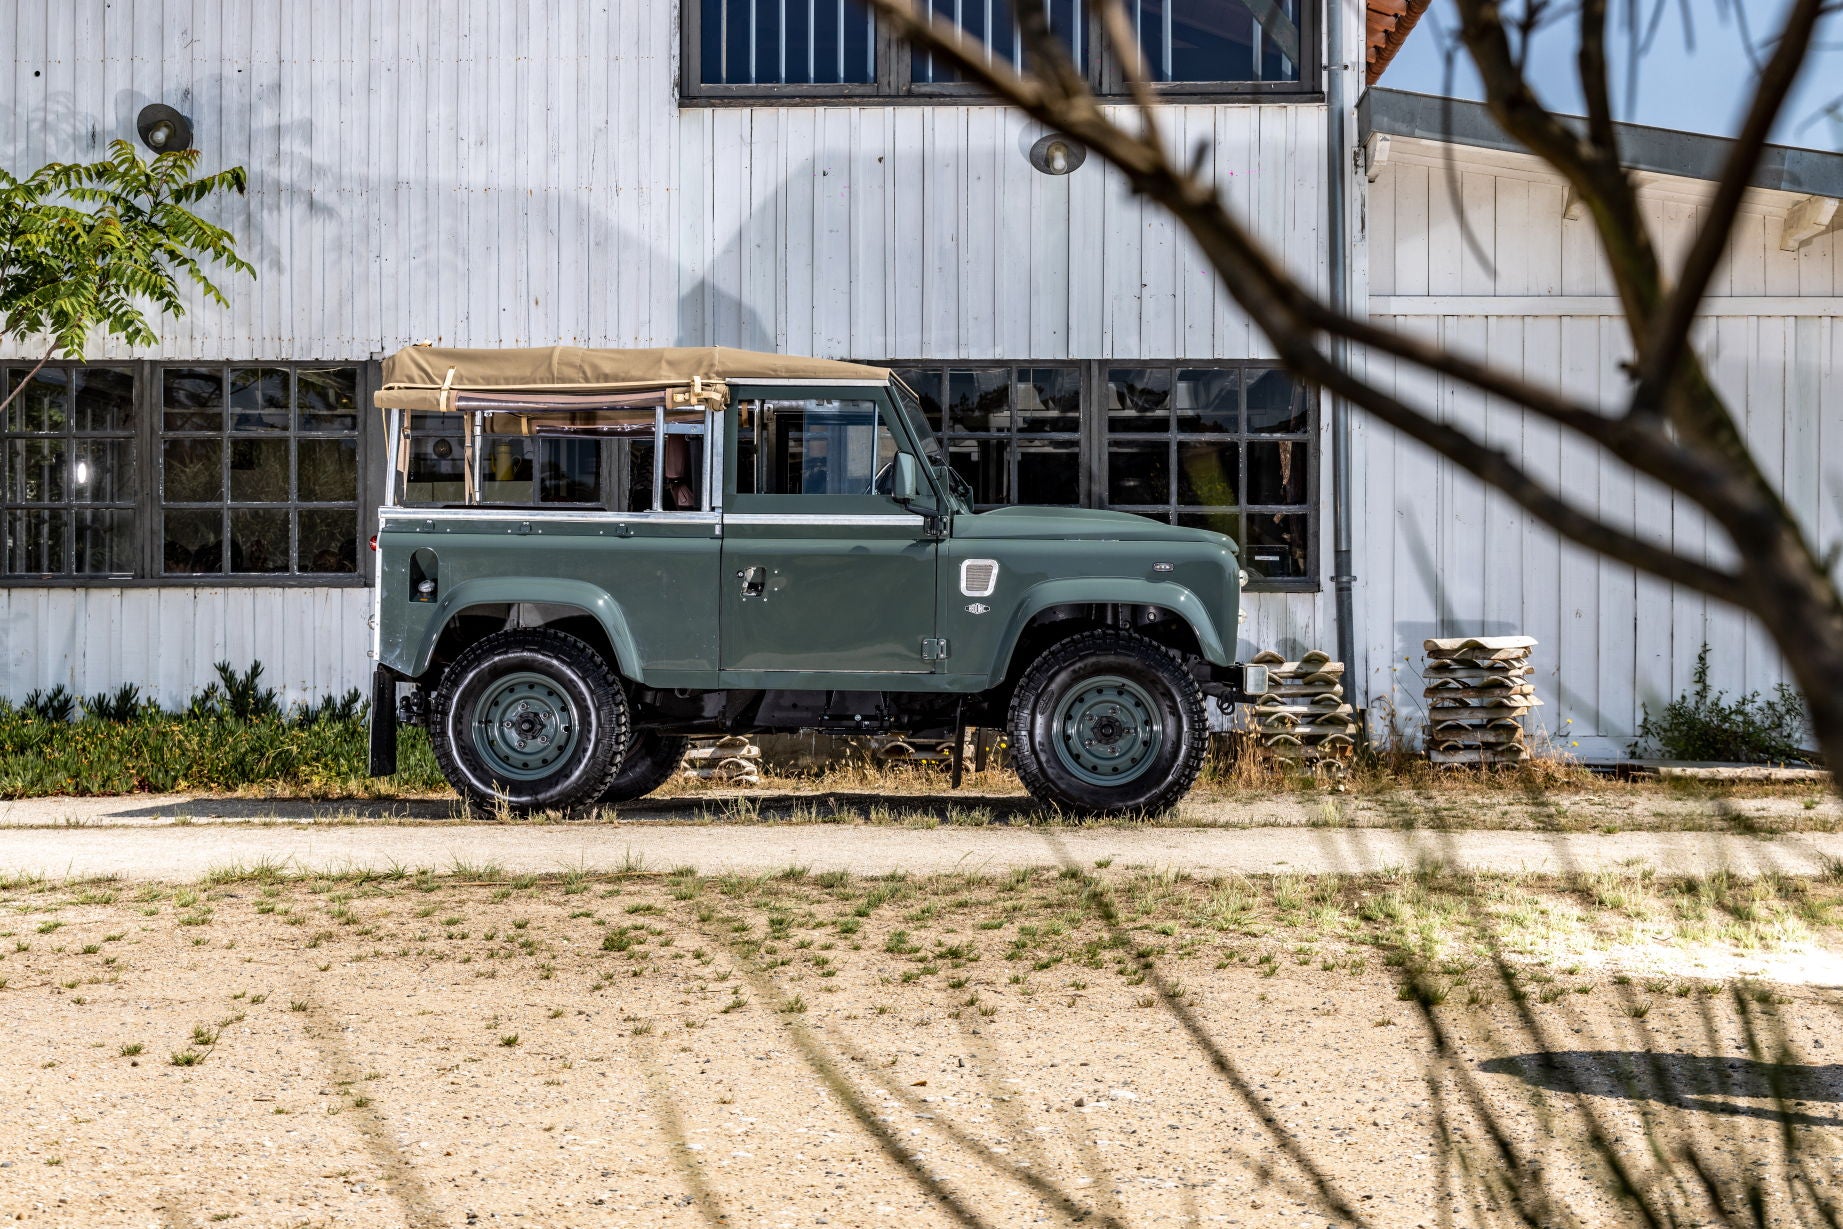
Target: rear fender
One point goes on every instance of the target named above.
(504, 590)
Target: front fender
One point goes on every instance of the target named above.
(1174, 598)
(499, 590)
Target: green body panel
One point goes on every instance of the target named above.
(648, 583)
(1052, 557)
(835, 599)
(847, 599)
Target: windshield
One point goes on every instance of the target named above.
(958, 490)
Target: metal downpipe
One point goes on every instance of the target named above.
(1339, 170)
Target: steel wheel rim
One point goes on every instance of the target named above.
(524, 726)
(1106, 730)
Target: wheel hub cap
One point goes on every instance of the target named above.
(1107, 731)
(524, 725)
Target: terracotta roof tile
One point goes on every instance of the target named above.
(1390, 22)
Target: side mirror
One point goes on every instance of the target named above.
(905, 483)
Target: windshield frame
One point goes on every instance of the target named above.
(908, 403)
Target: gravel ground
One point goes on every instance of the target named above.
(452, 1053)
(177, 851)
(1618, 807)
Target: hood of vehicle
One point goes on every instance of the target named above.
(1078, 524)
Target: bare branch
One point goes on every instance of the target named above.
(1666, 342)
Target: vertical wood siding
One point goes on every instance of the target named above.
(484, 173)
(1439, 554)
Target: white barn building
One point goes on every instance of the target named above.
(777, 175)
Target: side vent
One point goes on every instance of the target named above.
(978, 577)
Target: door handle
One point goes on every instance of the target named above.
(753, 580)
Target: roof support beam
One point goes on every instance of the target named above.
(1806, 220)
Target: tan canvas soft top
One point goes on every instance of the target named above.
(430, 378)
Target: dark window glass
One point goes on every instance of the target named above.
(259, 471)
(328, 540)
(1218, 40)
(1139, 472)
(1048, 471)
(326, 398)
(786, 42)
(1276, 403)
(1277, 472)
(994, 23)
(978, 401)
(194, 471)
(254, 441)
(67, 471)
(1208, 473)
(1278, 544)
(326, 470)
(1048, 399)
(259, 398)
(1225, 470)
(985, 466)
(259, 540)
(1139, 399)
(1208, 401)
(193, 542)
(192, 399)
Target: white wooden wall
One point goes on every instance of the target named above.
(500, 174)
(311, 642)
(1437, 554)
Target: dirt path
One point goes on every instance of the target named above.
(183, 852)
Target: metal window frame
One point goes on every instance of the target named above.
(1011, 436)
(1242, 437)
(148, 437)
(71, 435)
(1093, 440)
(895, 84)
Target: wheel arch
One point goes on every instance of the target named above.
(476, 608)
(1055, 610)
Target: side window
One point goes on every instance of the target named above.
(813, 447)
(619, 461)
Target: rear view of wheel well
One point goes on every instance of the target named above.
(475, 623)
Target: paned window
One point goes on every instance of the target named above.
(69, 471)
(1222, 448)
(1014, 433)
(747, 43)
(818, 49)
(994, 23)
(258, 470)
(1218, 40)
(812, 448)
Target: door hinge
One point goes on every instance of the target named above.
(934, 649)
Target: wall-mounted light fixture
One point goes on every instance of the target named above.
(163, 129)
(1057, 154)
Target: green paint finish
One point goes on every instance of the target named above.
(852, 592)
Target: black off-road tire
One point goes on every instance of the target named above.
(652, 760)
(557, 677)
(1104, 674)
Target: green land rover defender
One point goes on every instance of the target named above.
(587, 557)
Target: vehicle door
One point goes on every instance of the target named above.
(824, 571)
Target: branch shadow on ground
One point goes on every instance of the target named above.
(1683, 1081)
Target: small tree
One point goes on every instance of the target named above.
(105, 245)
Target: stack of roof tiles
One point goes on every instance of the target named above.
(734, 759)
(1302, 715)
(1478, 691)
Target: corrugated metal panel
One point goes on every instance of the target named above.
(511, 175)
(1439, 555)
(311, 642)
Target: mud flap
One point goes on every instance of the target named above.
(383, 758)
